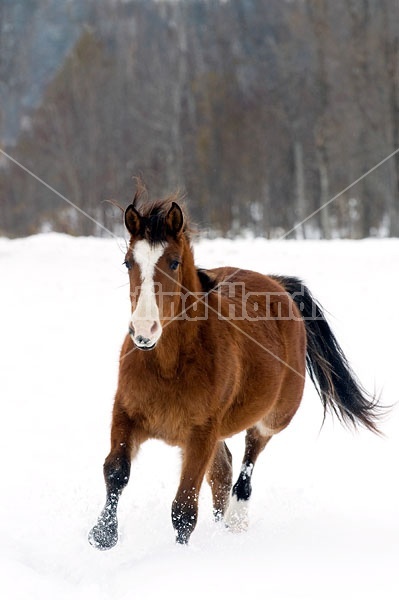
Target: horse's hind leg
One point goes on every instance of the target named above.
(219, 477)
(236, 516)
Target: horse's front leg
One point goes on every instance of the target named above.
(197, 453)
(125, 442)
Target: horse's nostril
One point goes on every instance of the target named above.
(131, 329)
(154, 327)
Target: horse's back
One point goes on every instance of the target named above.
(252, 280)
(262, 298)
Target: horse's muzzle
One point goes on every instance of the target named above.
(141, 342)
(144, 347)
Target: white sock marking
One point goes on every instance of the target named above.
(236, 515)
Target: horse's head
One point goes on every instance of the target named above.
(154, 261)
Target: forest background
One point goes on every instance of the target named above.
(260, 110)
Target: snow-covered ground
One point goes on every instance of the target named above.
(325, 507)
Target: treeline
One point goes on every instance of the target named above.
(260, 110)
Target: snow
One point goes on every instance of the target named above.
(324, 515)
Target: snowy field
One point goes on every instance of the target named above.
(325, 508)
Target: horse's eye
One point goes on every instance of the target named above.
(127, 264)
(174, 265)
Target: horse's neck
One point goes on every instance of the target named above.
(180, 337)
(177, 343)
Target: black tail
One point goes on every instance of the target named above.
(327, 365)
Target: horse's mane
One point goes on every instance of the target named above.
(154, 213)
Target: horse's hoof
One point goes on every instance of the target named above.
(236, 515)
(183, 535)
(103, 538)
(218, 515)
(182, 539)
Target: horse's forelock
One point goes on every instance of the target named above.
(154, 218)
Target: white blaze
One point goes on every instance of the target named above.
(146, 313)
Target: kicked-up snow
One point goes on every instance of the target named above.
(324, 514)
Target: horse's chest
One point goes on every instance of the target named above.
(165, 411)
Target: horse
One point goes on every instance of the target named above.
(208, 354)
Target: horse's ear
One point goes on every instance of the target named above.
(132, 220)
(174, 219)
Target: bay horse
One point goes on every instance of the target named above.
(210, 354)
